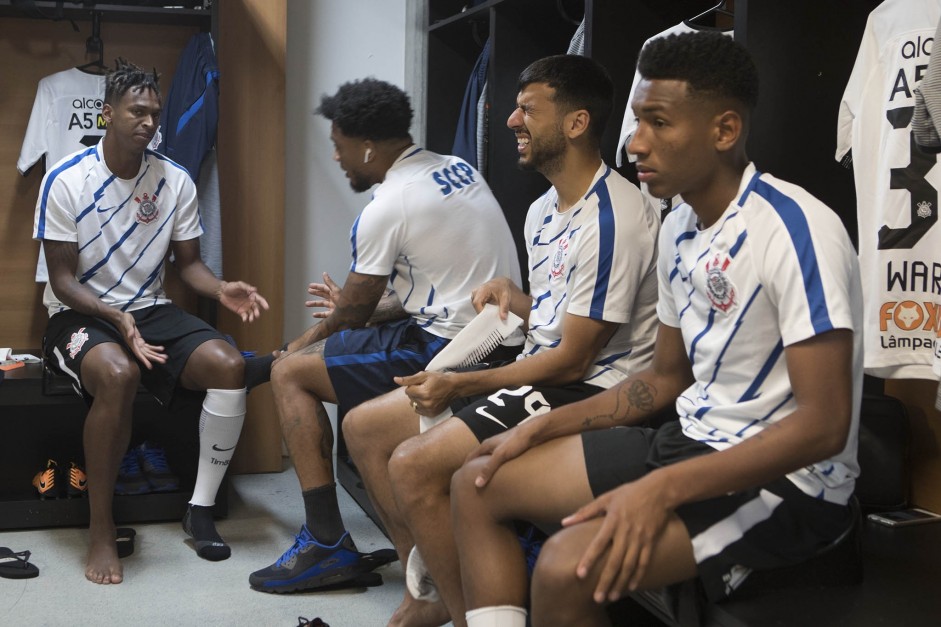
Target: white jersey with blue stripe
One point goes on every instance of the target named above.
(775, 269)
(597, 260)
(434, 227)
(123, 228)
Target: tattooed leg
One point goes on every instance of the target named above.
(301, 386)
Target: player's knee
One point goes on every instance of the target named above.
(355, 431)
(119, 375)
(465, 496)
(410, 473)
(231, 365)
(232, 362)
(280, 374)
(555, 569)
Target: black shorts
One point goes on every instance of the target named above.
(495, 413)
(70, 335)
(770, 526)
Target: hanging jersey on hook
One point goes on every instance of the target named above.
(66, 117)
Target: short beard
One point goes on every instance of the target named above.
(359, 185)
(547, 158)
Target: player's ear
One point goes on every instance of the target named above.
(106, 112)
(576, 123)
(728, 129)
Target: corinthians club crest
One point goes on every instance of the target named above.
(147, 210)
(719, 287)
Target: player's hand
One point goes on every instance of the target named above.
(325, 295)
(501, 449)
(634, 517)
(498, 291)
(430, 392)
(146, 353)
(242, 299)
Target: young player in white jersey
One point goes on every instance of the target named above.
(896, 189)
(434, 231)
(759, 346)
(108, 216)
(590, 312)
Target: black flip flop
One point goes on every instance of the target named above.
(16, 565)
(125, 541)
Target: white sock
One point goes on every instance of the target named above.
(496, 616)
(220, 424)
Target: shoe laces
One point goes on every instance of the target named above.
(130, 466)
(299, 543)
(50, 471)
(155, 458)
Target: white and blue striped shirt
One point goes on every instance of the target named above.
(596, 260)
(123, 228)
(775, 269)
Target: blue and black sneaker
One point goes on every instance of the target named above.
(308, 565)
(153, 463)
(131, 479)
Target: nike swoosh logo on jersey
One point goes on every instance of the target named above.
(222, 450)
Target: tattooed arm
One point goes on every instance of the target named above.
(631, 402)
(353, 308)
(389, 308)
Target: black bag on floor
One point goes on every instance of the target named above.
(884, 454)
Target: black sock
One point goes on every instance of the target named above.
(323, 514)
(258, 370)
(198, 524)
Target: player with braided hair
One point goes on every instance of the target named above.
(107, 216)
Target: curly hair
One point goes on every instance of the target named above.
(579, 83)
(710, 63)
(368, 109)
(125, 76)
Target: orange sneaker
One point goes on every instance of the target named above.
(45, 481)
(77, 481)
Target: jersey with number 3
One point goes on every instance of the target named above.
(896, 189)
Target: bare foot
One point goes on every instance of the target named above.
(412, 613)
(103, 565)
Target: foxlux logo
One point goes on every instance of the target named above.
(917, 321)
